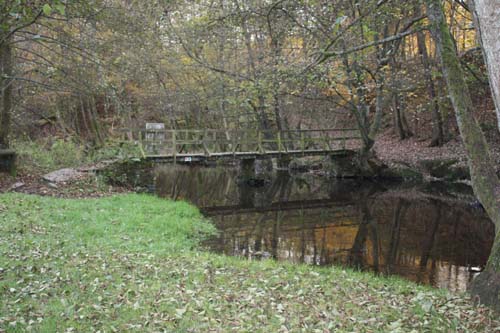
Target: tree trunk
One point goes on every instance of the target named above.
(484, 179)
(6, 92)
(437, 121)
(487, 21)
(359, 107)
(379, 105)
(400, 123)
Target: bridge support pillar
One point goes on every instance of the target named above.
(247, 169)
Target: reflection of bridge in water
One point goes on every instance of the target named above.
(276, 207)
(323, 222)
(428, 242)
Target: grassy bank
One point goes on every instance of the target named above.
(129, 263)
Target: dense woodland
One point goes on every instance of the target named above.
(83, 70)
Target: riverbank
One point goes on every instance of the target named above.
(87, 185)
(133, 263)
(412, 151)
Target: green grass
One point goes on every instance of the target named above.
(132, 263)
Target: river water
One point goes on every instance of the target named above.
(420, 232)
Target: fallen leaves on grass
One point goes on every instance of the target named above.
(50, 283)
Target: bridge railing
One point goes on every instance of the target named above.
(213, 141)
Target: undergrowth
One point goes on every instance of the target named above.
(45, 155)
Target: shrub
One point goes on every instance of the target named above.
(48, 155)
(115, 150)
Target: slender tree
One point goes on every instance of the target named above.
(6, 92)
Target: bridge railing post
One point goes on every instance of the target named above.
(302, 142)
(233, 143)
(204, 143)
(141, 146)
(174, 145)
(279, 141)
(214, 140)
(259, 142)
(327, 140)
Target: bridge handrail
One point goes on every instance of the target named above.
(233, 141)
(135, 130)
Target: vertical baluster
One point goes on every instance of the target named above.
(302, 142)
(279, 141)
(174, 145)
(204, 142)
(259, 142)
(141, 148)
(214, 141)
(233, 139)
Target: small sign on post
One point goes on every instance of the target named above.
(155, 137)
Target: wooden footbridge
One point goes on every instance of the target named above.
(169, 145)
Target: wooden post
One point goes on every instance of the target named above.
(327, 138)
(204, 143)
(302, 142)
(259, 142)
(279, 141)
(233, 139)
(174, 145)
(322, 138)
(141, 148)
(285, 141)
(214, 138)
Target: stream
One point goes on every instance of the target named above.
(426, 233)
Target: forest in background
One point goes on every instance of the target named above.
(82, 70)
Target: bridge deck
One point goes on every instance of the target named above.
(195, 157)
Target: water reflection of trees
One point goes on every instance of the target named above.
(202, 186)
(426, 239)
